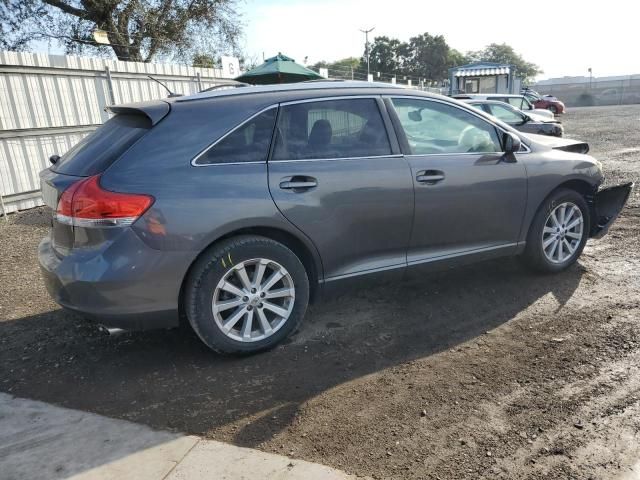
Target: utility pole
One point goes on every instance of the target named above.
(366, 46)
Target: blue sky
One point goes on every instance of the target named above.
(564, 37)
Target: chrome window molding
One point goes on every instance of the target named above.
(194, 161)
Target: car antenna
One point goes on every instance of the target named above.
(171, 94)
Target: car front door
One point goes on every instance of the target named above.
(469, 196)
(337, 175)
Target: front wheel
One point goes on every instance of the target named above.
(246, 295)
(553, 109)
(558, 233)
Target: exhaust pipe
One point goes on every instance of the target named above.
(112, 332)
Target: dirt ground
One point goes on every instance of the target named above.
(486, 371)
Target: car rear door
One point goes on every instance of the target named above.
(468, 196)
(337, 175)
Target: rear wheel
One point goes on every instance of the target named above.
(246, 295)
(558, 233)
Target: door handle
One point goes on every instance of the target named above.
(298, 182)
(430, 177)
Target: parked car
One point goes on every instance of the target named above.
(525, 122)
(547, 102)
(235, 208)
(518, 101)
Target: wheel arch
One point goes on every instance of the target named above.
(311, 262)
(583, 187)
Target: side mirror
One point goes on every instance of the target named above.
(511, 142)
(54, 159)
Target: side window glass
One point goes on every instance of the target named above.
(248, 143)
(434, 127)
(516, 102)
(331, 129)
(505, 114)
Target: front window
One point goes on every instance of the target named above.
(346, 128)
(434, 127)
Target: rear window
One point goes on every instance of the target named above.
(94, 153)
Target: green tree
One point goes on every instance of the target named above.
(457, 58)
(203, 60)
(385, 55)
(429, 56)
(137, 30)
(503, 53)
(339, 68)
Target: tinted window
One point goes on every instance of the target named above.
(248, 143)
(506, 114)
(434, 127)
(331, 129)
(98, 150)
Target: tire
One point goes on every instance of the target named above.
(553, 109)
(538, 253)
(216, 296)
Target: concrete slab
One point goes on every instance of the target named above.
(38, 440)
(220, 461)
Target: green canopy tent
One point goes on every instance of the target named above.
(278, 69)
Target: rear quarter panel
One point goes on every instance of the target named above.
(196, 205)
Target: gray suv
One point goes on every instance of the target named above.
(235, 208)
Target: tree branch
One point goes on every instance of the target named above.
(65, 7)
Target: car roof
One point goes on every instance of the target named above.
(487, 95)
(290, 87)
(489, 102)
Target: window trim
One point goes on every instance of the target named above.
(397, 124)
(194, 160)
(394, 152)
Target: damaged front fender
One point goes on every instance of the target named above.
(607, 205)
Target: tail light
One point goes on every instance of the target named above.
(86, 204)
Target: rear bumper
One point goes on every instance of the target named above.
(607, 205)
(124, 284)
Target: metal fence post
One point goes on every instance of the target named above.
(112, 97)
(4, 210)
(199, 81)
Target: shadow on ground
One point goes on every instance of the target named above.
(169, 380)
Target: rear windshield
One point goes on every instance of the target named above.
(94, 153)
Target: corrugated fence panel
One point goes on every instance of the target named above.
(49, 102)
(22, 159)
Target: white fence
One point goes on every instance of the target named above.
(49, 102)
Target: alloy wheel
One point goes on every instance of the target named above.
(253, 300)
(562, 232)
